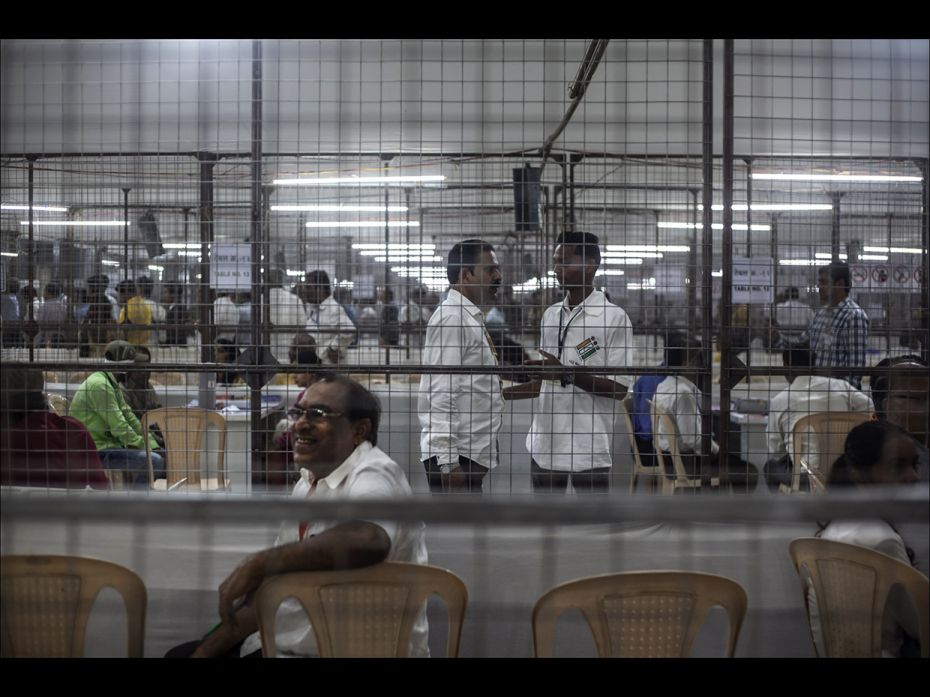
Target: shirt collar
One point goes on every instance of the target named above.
(457, 298)
(335, 478)
(592, 305)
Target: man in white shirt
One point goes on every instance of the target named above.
(792, 314)
(225, 316)
(287, 314)
(335, 444)
(574, 421)
(806, 394)
(327, 322)
(52, 317)
(461, 414)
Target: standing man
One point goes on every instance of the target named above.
(839, 333)
(573, 424)
(225, 316)
(287, 314)
(327, 322)
(159, 316)
(52, 317)
(460, 415)
(792, 313)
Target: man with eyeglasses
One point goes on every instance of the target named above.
(461, 414)
(335, 445)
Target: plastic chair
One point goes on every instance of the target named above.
(58, 404)
(367, 612)
(655, 474)
(681, 480)
(830, 429)
(851, 584)
(184, 429)
(640, 614)
(46, 601)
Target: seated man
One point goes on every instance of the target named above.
(806, 394)
(227, 352)
(99, 405)
(644, 390)
(38, 447)
(336, 435)
(902, 396)
(680, 399)
(136, 388)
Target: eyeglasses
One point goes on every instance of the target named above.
(311, 413)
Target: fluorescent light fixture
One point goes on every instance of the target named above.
(293, 272)
(772, 176)
(340, 208)
(361, 181)
(346, 284)
(9, 254)
(18, 207)
(894, 250)
(610, 272)
(773, 207)
(79, 223)
(182, 245)
(535, 284)
(406, 258)
(438, 270)
(717, 274)
(153, 267)
(714, 226)
(873, 257)
(800, 262)
(625, 261)
(109, 262)
(382, 246)
(827, 256)
(621, 255)
(645, 284)
(364, 223)
(648, 248)
(189, 254)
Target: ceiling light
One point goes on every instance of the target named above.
(18, 207)
(771, 176)
(361, 181)
(79, 223)
(363, 223)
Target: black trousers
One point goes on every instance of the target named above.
(470, 481)
(592, 481)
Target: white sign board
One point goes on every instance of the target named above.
(752, 280)
(231, 267)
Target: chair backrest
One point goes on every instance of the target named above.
(670, 428)
(46, 601)
(641, 614)
(851, 584)
(827, 433)
(184, 429)
(363, 613)
(655, 471)
(58, 404)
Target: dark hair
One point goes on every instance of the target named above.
(359, 403)
(12, 285)
(797, 357)
(319, 278)
(679, 347)
(863, 451)
(881, 383)
(792, 293)
(126, 286)
(838, 271)
(53, 288)
(465, 255)
(146, 285)
(585, 243)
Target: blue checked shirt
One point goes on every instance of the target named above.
(838, 336)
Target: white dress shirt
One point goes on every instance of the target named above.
(368, 473)
(225, 318)
(459, 414)
(680, 399)
(286, 310)
(159, 316)
(809, 394)
(329, 324)
(793, 314)
(572, 429)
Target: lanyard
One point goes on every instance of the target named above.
(562, 334)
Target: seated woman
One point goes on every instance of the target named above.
(228, 353)
(876, 453)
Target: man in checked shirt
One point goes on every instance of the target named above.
(839, 333)
(461, 414)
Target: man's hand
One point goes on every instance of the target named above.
(241, 583)
(333, 355)
(547, 359)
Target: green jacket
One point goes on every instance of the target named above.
(100, 406)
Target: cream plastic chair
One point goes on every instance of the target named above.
(640, 614)
(682, 479)
(655, 474)
(184, 430)
(851, 584)
(46, 601)
(830, 429)
(366, 612)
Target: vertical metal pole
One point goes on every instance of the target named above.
(29, 311)
(835, 234)
(773, 251)
(387, 271)
(258, 247)
(748, 207)
(693, 267)
(888, 304)
(206, 394)
(726, 312)
(705, 381)
(126, 191)
(925, 264)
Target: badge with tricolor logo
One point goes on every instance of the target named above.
(587, 348)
